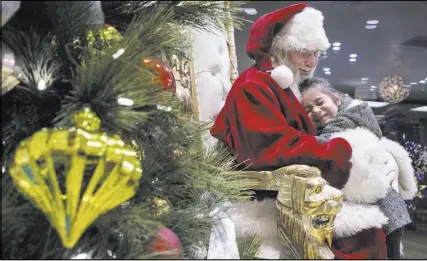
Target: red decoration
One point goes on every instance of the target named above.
(166, 240)
(163, 71)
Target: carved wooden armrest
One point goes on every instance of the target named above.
(307, 207)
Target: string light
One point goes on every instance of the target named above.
(418, 155)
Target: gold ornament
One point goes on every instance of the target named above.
(103, 38)
(160, 206)
(51, 169)
(100, 39)
(139, 153)
(392, 89)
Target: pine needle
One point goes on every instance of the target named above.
(249, 246)
(35, 56)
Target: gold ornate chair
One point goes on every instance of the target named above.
(306, 208)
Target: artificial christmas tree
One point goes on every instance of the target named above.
(67, 68)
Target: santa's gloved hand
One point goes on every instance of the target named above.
(391, 170)
(337, 176)
(336, 170)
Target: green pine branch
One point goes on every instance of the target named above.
(175, 165)
(249, 246)
(35, 55)
(202, 15)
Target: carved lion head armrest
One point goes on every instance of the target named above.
(306, 207)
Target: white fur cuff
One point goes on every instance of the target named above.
(353, 218)
(368, 180)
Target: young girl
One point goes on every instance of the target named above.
(332, 112)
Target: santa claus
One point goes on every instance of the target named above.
(264, 124)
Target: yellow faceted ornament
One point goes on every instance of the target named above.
(137, 148)
(103, 38)
(160, 206)
(75, 175)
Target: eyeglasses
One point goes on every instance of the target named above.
(306, 54)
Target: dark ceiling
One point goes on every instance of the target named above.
(396, 46)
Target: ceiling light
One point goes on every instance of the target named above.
(373, 87)
(377, 104)
(250, 11)
(352, 59)
(336, 48)
(422, 81)
(370, 26)
(422, 108)
(364, 79)
(413, 83)
(372, 22)
(326, 69)
(353, 55)
(328, 72)
(337, 44)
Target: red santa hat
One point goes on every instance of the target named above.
(294, 27)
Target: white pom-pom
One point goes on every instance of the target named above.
(283, 76)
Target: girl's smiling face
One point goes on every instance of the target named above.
(320, 106)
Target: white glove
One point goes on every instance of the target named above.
(391, 170)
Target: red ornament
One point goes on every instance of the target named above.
(163, 72)
(166, 240)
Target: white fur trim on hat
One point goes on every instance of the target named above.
(283, 76)
(304, 31)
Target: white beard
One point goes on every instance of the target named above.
(277, 61)
(295, 90)
(298, 79)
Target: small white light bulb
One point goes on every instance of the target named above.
(118, 53)
(41, 85)
(125, 101)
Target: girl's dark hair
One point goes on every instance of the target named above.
(326, 87)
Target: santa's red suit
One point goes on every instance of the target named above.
(266, 127)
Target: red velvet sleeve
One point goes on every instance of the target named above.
(260, 137)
